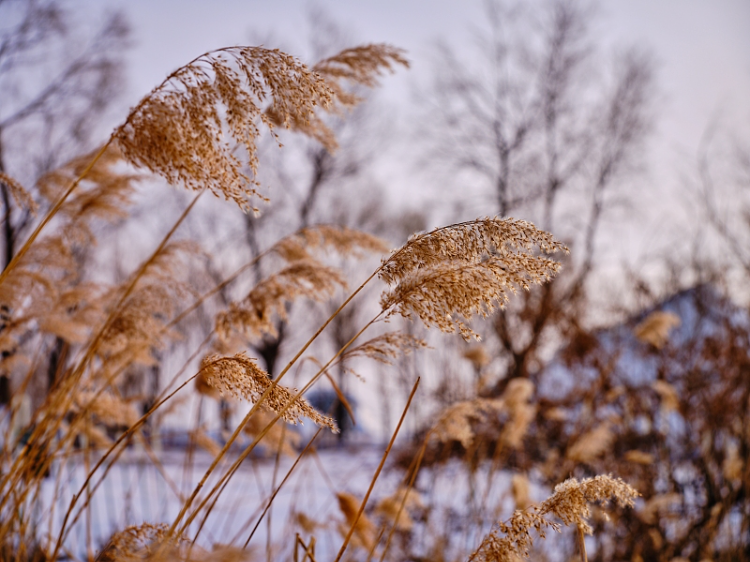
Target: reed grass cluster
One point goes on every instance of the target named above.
(187, 131)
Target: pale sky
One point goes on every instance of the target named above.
(702, 49)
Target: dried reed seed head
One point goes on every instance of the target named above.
(95, 436)
(255, 314)
(518, 391)
(512, 540)
(471, 242)
(241, 377)
(592, 444)
(385, 348)
(143, 542)
(478, 356)
(180, 131)
(205, 442)
(307, 524)
(455, 423)
(20, 195)
(203, 388)
(105, 193)
(516, 399)
(569, 503)
(108, 408)
(358, 65)
(639, 457)
(340, 239)
(655, 328)
(465, 270)
(388, 507)
(141, 321)
(517, 426)
(139, 326)
(520, 487)
(657, 505)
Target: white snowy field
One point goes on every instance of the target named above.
(136, 491)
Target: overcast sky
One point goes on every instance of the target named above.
(702, 46)
(702, 50)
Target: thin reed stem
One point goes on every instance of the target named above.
(257, 404)
(581, 544)
(128, 433)
(414, 471)
(52, 212)
(278, 489)
(377, 473)
(50, 429)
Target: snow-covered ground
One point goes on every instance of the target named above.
(136, 491)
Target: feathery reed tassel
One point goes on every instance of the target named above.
(655, 328)
(254, 315)
(569, 503)
(241, 377)
(340, 239)
(20, 195)
(466, 269)
(178, 131)
(385, 348)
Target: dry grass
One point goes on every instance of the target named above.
(187, 131)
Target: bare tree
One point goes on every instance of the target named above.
(546, 130)
(54, 87)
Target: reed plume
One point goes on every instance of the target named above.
(255, 315)
(570, 504)
(19, 193)
(277, 438)
(182, 129)
(592, 444)
(364, 535)
(385, 348)
(324, 237)
(465, 270)
(390, 508)
(240, 376)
